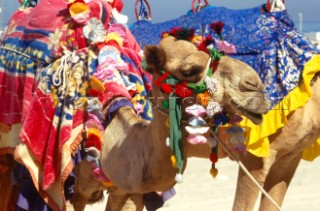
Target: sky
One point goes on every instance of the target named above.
(163, 10)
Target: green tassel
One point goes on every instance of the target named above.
(172, 81)
(26, 3)
(165, 104)
(198, 88)
(215, 55)
(175, 116)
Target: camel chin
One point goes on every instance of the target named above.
(255, 117)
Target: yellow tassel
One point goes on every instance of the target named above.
(93, 131)
(116, 37)
(173, 161)
(107, 184)
(165, 35)
(96, 84)
(77, 8)
(214, 172)
(167, 123)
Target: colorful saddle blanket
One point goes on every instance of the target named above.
(285, 59)
(268, 42)
(59, 65)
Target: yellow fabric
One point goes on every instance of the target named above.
(77, 8)
(257, 135)
(96, 84)
(116, 37)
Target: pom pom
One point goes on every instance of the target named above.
(213, 158)
(182, 91)
(179, 178)
(203, 98)
(93, 138)
(203, 46)
(197, 139)
(214, 65)
(161, 78)
(167, 123)
(196, 110)
(165, 104)
(173, 161)
(214, 172)
(211, 84)
(182, 33)
(118, 4)
(212, 142)
(197, 121)
(217, 27)
(166, 88)
(221, 119)
(213, 108)
(168, 142)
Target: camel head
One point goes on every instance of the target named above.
(238, 88)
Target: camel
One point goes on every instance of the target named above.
(287, 145)
(290, 131)
(296, 139)
(239, 90)
(139, 147)
(299, 130)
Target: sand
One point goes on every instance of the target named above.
(199, 191)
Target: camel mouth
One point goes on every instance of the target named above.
(256, 118)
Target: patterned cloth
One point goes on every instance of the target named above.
(51, 65)
(268, 42)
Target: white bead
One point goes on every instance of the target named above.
(168, 142)
(179, 178)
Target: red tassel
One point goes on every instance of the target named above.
(213, 158)
(268, 6)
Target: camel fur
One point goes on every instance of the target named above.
(134, 155)
(274, 172)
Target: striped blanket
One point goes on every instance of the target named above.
(59, 64)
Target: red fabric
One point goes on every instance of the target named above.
(44, 131)
(118, 4)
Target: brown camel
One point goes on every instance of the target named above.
(300, 130)
(134, 154)
(297, 138)
(276, 171)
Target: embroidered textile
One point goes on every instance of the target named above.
(268, 42)
(49, 70)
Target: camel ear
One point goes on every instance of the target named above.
(155, 58)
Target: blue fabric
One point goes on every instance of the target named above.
(114, 107)
(29, 198)
(268, 42)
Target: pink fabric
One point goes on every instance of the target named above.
(197, 139)
(228, 48)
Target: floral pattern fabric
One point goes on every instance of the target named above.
(268, 42)
(55, 78)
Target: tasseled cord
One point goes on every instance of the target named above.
(214, 160)
(175, 116)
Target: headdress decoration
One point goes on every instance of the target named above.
(178, 90)
(202, 43)
(28, 3)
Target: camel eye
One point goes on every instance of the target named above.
(187, 74)
(191, 71)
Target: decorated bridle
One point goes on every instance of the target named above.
(206, 113)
